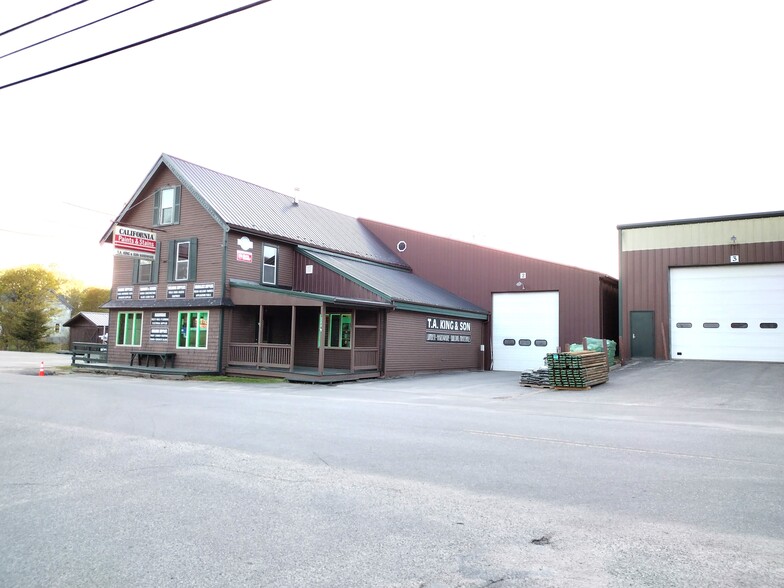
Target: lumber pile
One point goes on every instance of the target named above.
(577, 369)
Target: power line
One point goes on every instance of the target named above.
(77, 28)
(137, 44)
(64, 8)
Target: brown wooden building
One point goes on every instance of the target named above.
(87, 327)
(709, 288)
(218, 275)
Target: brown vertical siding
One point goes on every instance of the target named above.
(408, 351)
(447, 263)
(240, 270)
(645, 279)
(325, 281)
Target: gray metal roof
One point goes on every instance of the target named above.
(393, 284)
(99, 319)
(248, 207)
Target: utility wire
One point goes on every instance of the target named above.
(137, 44)
(77, 28)
(64, 8)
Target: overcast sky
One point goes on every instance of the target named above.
(531, 127)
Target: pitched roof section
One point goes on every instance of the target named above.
(248, 207)
(99, 319)
(395, 285)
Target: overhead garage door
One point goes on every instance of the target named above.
(525, 329)
(733, 312)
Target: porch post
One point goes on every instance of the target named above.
(293, 336)
(259, 335)
(323, 326)
(352, 362)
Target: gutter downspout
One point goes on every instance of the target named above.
(223, 297)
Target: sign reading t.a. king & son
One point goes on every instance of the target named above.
(457, 331)
(134, 242)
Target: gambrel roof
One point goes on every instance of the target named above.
(243, 206)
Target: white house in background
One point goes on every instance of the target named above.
(58, 333)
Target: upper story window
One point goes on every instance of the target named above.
(166, 206)
(182, 260)
(269, 265)
(145, 271)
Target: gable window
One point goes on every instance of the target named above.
(339, 331)
(194, 327)
(145, 271)
(129, 328)
(166, 206)
(182, 260)
(269, 265)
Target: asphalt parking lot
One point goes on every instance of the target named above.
(670, 474)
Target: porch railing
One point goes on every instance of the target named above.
(260, 354)
(279, 356)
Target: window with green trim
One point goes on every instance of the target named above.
(194, 327)
(339, 331)
(129, 328)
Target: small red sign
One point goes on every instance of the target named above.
(245, 256)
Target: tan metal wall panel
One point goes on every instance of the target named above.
(703, 234)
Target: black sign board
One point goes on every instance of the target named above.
(125, 293)
(148, 292)
(175, 291)
(160, 319)
(203, 290)
(159, 335)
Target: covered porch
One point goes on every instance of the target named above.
(303, 337)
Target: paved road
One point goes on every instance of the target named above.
(672, 474)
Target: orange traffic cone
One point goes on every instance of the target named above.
(41, 371)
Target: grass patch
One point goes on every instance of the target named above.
(238, 379)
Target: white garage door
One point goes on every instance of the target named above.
(733, 312)
(525, 329)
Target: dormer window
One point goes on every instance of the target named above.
(166, 206)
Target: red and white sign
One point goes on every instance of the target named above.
(245, 256)
(134, 242)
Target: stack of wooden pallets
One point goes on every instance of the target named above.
(577, 369)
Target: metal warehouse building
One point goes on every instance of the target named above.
(536, 306)
(709, 288)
